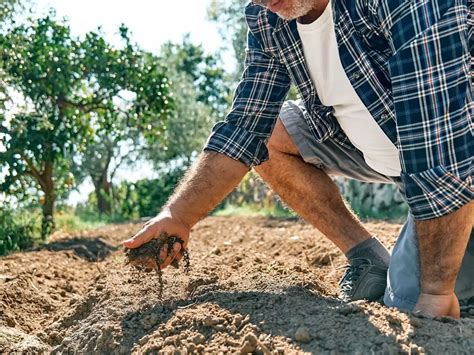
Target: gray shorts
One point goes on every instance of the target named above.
(403, 281)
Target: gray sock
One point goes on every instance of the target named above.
(370, 249)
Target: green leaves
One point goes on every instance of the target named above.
(73, 90)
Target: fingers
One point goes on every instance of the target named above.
(179, 256)
(168, 259)
(144, 235)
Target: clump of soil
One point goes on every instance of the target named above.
(147, 257)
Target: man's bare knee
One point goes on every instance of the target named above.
(280, 141)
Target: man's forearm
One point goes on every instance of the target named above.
(207, 183)
(442, 244)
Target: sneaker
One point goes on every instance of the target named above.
(363, 280)
(467, 305)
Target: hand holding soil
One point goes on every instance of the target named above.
(154, 228)
(151, 255)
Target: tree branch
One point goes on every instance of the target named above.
(33, 171)
(86, 108)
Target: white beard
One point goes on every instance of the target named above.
(297, 9)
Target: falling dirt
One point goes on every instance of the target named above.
(147, 258)
(255, 286)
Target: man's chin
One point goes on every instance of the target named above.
(286, 16)
(291, 15)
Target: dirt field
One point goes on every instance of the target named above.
(255, 285)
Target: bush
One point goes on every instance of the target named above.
(133, 200)
(18, 229)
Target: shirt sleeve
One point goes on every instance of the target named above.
(432, 93)
(255, 108)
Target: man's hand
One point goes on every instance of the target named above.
(164, 222)
(442, 244)
(432, 306)
(210, 179)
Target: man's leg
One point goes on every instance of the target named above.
(442, 244)
(298, 169)
(310, 192)
(297, 174)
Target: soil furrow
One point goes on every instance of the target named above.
(256, 285)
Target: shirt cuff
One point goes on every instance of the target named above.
(237, 144)
(436, 192)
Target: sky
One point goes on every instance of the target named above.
(151, 23)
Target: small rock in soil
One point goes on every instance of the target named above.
(249, 344)
(416, 322)
(216, 251)
(302, 335)
(198, 339)
(211, 321)
(348, 309)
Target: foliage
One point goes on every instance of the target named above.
(230, 18)
(253, 196)
(274, 211)
(200, 91)
(146, 197)
(8, 8)
(203, 71)
(104, 155)
(134, 200)
(73, 89)
(70, 221)
(186, 130)
(197, 85)
(18, 230)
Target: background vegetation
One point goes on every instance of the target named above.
(85, 108)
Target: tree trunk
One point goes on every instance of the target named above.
(47, 225)
(103, 195)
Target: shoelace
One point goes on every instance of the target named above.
(350, 276)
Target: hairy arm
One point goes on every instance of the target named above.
(209, 180)
(442, 244)
(234, 145)
(207, 183)
(432, 93)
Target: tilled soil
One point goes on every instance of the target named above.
(256, 285)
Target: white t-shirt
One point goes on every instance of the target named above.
(334, 89)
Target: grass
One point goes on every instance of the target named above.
(70, 223)
(395, 215)
(275, 211)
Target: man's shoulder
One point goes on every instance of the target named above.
(258, 16)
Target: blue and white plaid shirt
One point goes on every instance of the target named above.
(410, 61)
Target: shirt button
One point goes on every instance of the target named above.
(356, 75)
(385, 116)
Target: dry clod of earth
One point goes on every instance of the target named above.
(302, 335)
(74, 296)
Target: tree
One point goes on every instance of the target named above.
(73, 89)
(104, 155)
(7, 8)
(199, 85)
(203, 71)
(229, 16)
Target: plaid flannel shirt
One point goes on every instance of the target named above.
(410, 62)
